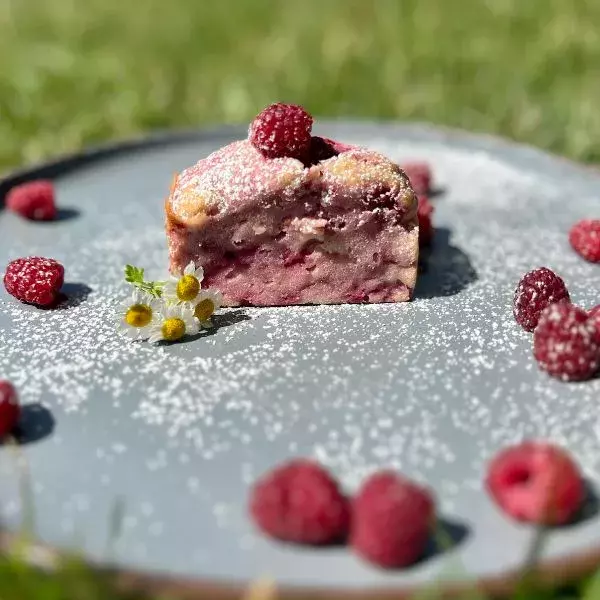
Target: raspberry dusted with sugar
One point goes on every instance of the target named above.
(300, 502)
(391, 520)
(585, 239)
(282, 130)
(566, 343)
(33, 200)
(34, 280)
(419, 175)
(425, 212)
(10, 411)
(594, 315)
(537, 290)
(536, 482)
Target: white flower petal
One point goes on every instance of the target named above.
(131, 300)
(185, 312)
(133, 333)
(190, 269)
(166, 311)
(144, 332)
(161, 311)
(213, 295)
(137, 297)
(191, 325)
(170, 291)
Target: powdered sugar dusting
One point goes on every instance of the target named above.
(432, 387)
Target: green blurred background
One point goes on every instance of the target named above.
(74, 72)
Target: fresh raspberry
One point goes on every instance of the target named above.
(536, 482)
(34, 280)
(419, 175)
(594, 315)
(425, 212)
(566, 343)
(10, 410)
(391, 520)
(33, 200)
(537, 290)
(282, 130)
(585, 239)
(300, 502)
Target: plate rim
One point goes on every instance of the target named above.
(62, 163)
(554, 571)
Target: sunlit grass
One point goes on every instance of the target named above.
(73, 73)
(73, 580)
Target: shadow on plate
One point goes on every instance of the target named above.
(444, 269)
(448, 535)
(36, 423)
(66, 214)
(435, 192)
(590, 507)
(62, 214)
(73, 294)
(219, 321)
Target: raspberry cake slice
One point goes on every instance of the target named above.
(285, 218)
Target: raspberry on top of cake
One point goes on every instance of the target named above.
(285, 217)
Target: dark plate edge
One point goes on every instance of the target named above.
(484, 141)
(549, 572)
(67, 162)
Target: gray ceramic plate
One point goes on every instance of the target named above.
(177, 433)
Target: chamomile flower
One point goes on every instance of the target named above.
(207, 302)
(172, 323)
(185, 287)
(136, 314)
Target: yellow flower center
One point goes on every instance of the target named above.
(138, 315)
(187, 288)
(204, 309)
(173, 329)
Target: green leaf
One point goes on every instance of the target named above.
(154, 288)
(134, 274)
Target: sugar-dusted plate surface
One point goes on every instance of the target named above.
(177, 433)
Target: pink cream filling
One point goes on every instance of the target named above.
(354, 258)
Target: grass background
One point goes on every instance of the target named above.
(73, 72)
(77, 72)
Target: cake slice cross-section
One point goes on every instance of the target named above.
(340, 226)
